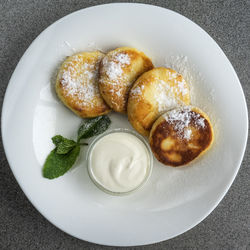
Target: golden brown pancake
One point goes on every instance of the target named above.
(77, 84)
(153, 93)
(118, 71)
(181, 135)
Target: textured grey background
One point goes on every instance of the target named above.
(21, 225)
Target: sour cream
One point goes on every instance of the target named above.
(119, 162)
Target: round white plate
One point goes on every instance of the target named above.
(175, 199)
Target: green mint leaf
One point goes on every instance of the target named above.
(58, 164)
(63, 145)
(93, 126)
(57, 139)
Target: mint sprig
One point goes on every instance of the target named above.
(93, 126)
(58, 164)
(64, 155)
(63, 145)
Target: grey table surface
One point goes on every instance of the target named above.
(23, 227)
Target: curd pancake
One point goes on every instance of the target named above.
(154, 93)
(181, 135)
(118, 71)
(77, 84)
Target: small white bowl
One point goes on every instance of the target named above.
(90, 172)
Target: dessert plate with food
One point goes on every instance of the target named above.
(121, 136)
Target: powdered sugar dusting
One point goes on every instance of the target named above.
(79, 80)
(181, 119)
(164, 96)
(187, 134)
(113, 69)
(168, 96)
(137, 91)
(113, 66)
(123, 58)
(182, 88)
(200, 122)
(118, 93)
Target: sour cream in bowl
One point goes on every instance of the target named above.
(119, 161)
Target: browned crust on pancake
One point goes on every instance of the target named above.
(180, 151)
(109, 88)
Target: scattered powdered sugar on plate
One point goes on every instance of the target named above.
(92, 46)
(78, 79)
(70, 46)
(181, 119)
(193, 77)
(201, 93)
(65, 48)
(113, 65)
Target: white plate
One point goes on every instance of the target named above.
(175, 199)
